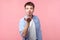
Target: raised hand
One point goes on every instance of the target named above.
(27, 19)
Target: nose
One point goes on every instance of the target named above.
(29, 9)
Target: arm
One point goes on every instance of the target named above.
(39, 31)
(25, 31)
(23, 27)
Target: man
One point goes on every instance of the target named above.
(29, 26)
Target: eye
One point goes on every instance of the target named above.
(27, 8)
(31, 8)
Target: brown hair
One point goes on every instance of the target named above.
(29, 3)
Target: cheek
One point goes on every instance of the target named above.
(32, 10)
(26, 10)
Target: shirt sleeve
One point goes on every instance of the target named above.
(21, 26)
(39, 30)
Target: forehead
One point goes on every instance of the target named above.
(29, 6)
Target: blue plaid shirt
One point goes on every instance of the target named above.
(22, 24)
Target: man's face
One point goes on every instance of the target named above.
(29, 10)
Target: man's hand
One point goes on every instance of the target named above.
(25, 31)
(27, 20)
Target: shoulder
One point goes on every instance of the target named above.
(35, 17)
(21, 19)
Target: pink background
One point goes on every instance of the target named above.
(48, 12)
